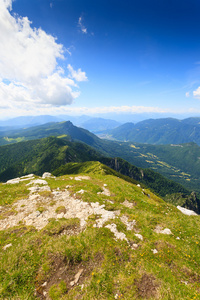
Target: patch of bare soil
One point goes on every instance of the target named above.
(146, 286)
(190, 275)
(71, 273)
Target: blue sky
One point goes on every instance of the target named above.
(93, 57)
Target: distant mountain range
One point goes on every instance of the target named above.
(178, 162)
(93, 124)
(159, 131)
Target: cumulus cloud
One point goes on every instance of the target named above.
(196, 93)
(82, 27)
(77, 75)
(29, 70)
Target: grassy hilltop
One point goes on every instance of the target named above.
(112, 246)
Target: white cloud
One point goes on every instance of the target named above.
(187, 94)
(196, 93)
(77, 75)
(82, 27)
(29, 70)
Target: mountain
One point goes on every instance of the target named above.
(177, 162)
(50, 154)
(91, 235)
(97, 125)
(29, 121)
(159, 131)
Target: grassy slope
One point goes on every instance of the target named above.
(110, 266)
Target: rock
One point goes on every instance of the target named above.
(36, 188)
(139, 236)
(134, 246)
(37, 181)
(128, 204)
(47, 175)
(186, 211)
(79, 178)
(7, 246)
(158, 229)
(118, 235)
(105, 192)
(13, 181)
(76, 278)
(154, 251)
(80, 192)
(129, 225)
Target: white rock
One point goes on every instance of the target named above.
(47, 175)
(118, 235)
(80, 192)
(159, 229)
(129, 225)
(45, 283)
(154, 251)
(7, 246)
(166, 231)
(186, 211)
(139, 236)
(37, 181)
(128, 204)
(134, 246)
(13, 181)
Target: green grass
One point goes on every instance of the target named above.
(109, 266)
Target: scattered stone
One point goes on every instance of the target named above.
(118, 235)
(117, 212)
(139, 236)
(154, 251)
(37, 181)
(27, 176)
(134, 246)
(80, 192)
(68, 186)
(44, 284)
(7, 246)
(129, 225)
(138, 185)
(158, 229)
(79, 178)
(178, 238)
(105, 192)
(37, 188)
(112, 202)
(13, 181)
(76, 278)
(128, 204)
(48, 175)
(186, 211)
(75, 208)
